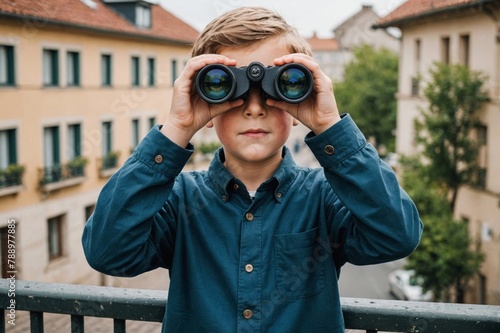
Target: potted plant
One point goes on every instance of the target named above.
(76, 166)
(110, 160)
(12, 175)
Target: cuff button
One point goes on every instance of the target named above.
(158, 159)
(329, 149)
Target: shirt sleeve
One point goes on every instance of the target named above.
(372, 218)
(131, 226)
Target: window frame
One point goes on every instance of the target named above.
(135, 71)
(106, 70)
(73, 68)
(50, 67)
(9, 69)
(59, 229)
(151, 71)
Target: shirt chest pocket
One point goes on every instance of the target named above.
(300, 268)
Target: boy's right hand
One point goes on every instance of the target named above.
(188, 112)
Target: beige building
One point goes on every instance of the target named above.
(81, 82)
(464, 32)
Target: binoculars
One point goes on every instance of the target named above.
(217, 83)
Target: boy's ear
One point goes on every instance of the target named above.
(210, 124)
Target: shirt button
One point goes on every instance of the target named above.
(249, 216)
(158, 159)
(249, 268)
(224, 198)
(247, 314)
(329, 150)
(236, 186)
(279, 195)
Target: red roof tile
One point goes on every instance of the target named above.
(416, 8)
(323, 44)
(76, 13)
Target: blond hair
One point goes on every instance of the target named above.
(247, 26)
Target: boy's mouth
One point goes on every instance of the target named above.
(255, 133)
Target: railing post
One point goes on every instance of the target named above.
(119, 326)
(36, 322)
(2, 321)
(77, 324)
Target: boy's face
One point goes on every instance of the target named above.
(254, 132)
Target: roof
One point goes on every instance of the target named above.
(101, 18)
(363, 11)
(414, 9)
(322, 44)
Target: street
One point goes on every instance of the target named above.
(367, 281)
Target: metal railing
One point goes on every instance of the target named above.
(79, 301)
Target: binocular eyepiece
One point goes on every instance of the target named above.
(217, 83)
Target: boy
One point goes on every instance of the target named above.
(256, 243)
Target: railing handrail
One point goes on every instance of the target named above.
(149, 305)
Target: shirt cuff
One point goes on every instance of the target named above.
(337, 143)
(161, 154)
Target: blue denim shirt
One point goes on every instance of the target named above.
(237, 264)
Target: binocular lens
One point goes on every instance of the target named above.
(216, 84)
(293, 83)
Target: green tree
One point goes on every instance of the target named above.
(455, 95)
(368, 93)
(446, 257)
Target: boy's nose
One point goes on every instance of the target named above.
(255, 104)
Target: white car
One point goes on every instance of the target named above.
(404, 285)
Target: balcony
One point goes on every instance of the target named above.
(108, 164)
(59, 176)
(11, 179)
(120, 305)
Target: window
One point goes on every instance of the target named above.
(7, 65)
(52, 168)
(74, 141)
(445, 50)
(106, 138)
(135, 73)
(73, 68)
(55, 236)
(106, 70)
(464, 49)
(152, 122)
(8, 148)
(415, 86)
(109, 157)
(151, 72)
(143, 16)
(135, 132)
(482, 170)
(482, 134)
(89, 210)
(481, 176)
(51, 146)
(50, 67)
(174, 71)
(418, 55)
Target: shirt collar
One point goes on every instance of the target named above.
(221, 180)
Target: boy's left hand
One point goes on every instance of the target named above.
(319, 112)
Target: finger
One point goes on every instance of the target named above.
(294, 57)
(197, 63)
